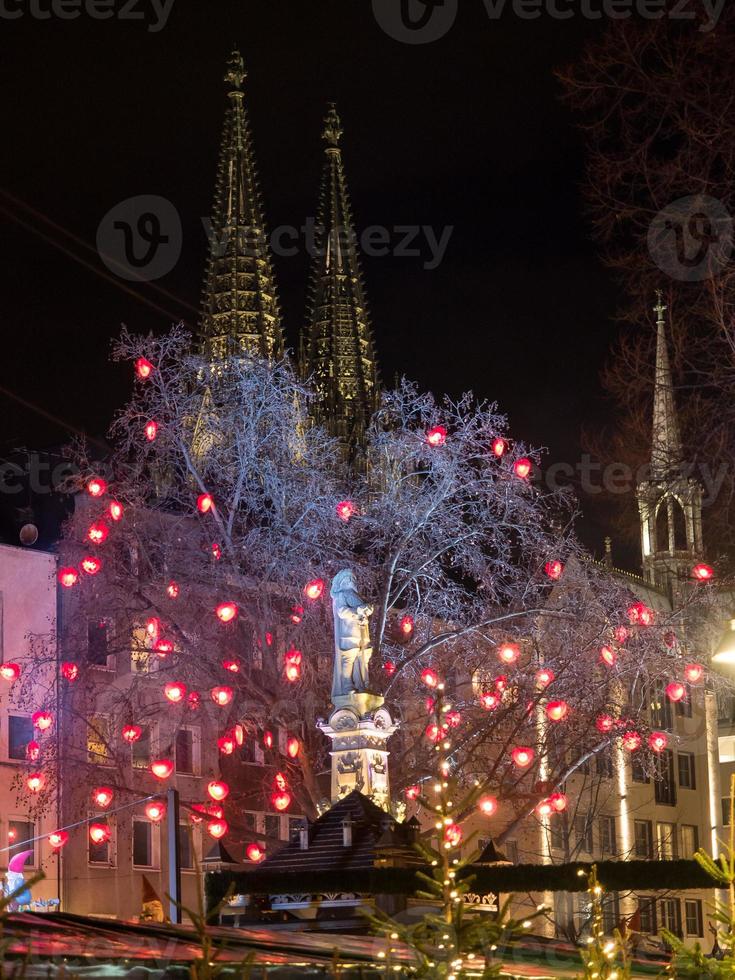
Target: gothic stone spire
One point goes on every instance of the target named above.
(337, 348)
(240, 311)
(666, 453)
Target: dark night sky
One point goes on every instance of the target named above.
(467, 131)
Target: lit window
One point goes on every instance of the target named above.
(20, 733)
(98, 741)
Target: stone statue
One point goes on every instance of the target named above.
(352, 650)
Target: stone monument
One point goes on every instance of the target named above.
(359, 726)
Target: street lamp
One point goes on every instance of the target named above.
(725, 652)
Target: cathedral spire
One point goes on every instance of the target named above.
(337, 348)
(666, 453)
(240, 311)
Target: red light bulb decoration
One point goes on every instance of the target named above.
(68, 577)
(703, 573)
(522, 468)
(640, 615)
(143, 368)
(501, 683)
(407, 625)
(99, 833)
(608, 656)
(557, 710)
(33, 751)
(605, 724)
(161, 768)
(292, 665)
(216, 551)
(98, 532)
(487, 805)
(315, 589)
(116, 511)
(694, 673)
(430, 677)
(226, 744)
(657, 741)
(96, 487)
(205, 503)
(279, 781)
(621, 634)
(412, 792)
(558, 802)
(544, 809)
(131, 733)
(281, 800)
(631, 741)
(499, 447)
(42, 720)
(297, 614)
(155, 811)
(12, 835)
(172, 590)
(217, 828)
(194, 701)
(233, 666)
(676, 691)
(268, 740)
(508, 653)
(436, 436)
(554, 569)
(452, 836)
(91, 565)
(36, 782)
(57, 839)
(490, 701)
(254, 853)
(175, 692)
(522, 756)
(163, 647)
(10, 672)
(293, 747)
(389, 667)
(346, 510)
(102, 796)
(544, 677)
(239, 734)
(151, 430)
(218, 790)
(226, 612)
(222, 696)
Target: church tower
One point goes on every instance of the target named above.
(240, 310)
(337, 348)
(669, 504)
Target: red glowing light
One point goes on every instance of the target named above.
(608, 656)
(226, 612)
(161, 768)
(430, 677)
(346, 510)
(232, 665)
(554, 569)
(621, 634)
(631, 741)
(163, 647)
(499, 447)
(116, 510)
(91, 565)
(544, 677)
(407, 625)
(453, 718)
(544, 809)
(490, 701)
(694, 673)
(389, 667)
(453, 835)
(68, 577)
(558, 802)
(434, 733)
(605, 724)
(99, 833)
(98, 532)
(557, 710)
(12, 835)
(437, 436)
(487, 805)
(280, 781)
(522, 468)
(204, 503)
(218, 790)
(254, 853)
(175, 692)
(222, 696)
(194, 700)
(42, 720)
(239, 732)
(703, 573)
(35, 782)
(216, 551)
(155, 811)
(522, 756)
(57, 839)
(501, 683)
(143, 368)
(131, 733)
(10, 672)
(640, 615)
(102, 796)
(281, 801)
(217, 828)
(657, 741)
(226, 744)
(292, 664)
(508, 653)
(412, 792)
(293, 747)
(151, 430)
(297, 614)
(268, 739)
(315, 589)
(676, 691)
(33, 751)
(173, 590)
(96, 487)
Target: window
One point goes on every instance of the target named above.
(610, 913)
(98, 741)
(647, 913)
(665, 784)
(693, 917)
(604, 763)
(143, 844)
(296, 823)
(186, 847)
(671, 915)
(725, 707)
(643, 839)
(556, 834)
(684, 707)
(20, 837)
(689, 840)
(20, 733)
(98, 642)
(272, 826)
(666, 841)
(185, 752)
(660, 705)
(638, 770)
(250, 821)
(687, 779)
(583, 833)
(725, 803)
(100, 853)
(141, 751)
(511, 850)
(608, 836)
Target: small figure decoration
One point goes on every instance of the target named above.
(352, 650)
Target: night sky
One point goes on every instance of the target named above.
(467, 132)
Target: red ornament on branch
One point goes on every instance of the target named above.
(99, 833)
(631, 741)
(499, 447)
(657, 741)
(91, 565)
(204, 503)
(172, 590)
(430, 677)
(522, 468)
(544, 677)
(102, 796)
(346, 510)
(640, 615)
(452, 835)
(487, 805)
(437, 436)
(222, 696)
(227, 612)
(676, 691)
(508, 653)
(554, 569)
(694, 673)
(161, 768)
(233, 666)
(33, 751)
(558, 802)
(703, 573)
(175, 692)
(297, 614)
(490, 701)
(226, 744)
(621, 634)
(10, 672)
(217, 828)
(293, 747)
(151, 430)
(98, 532)
(315, 589)
(57, 839)
(163, 647)
(608, 656)
(218, 790)
(412, 792)
(407, 625)
(143, 368)
(42, 720)
(605, 724)
(268, 740)
(36, 782)
(131, 733)
(116, 511)
(96, 487)
(68, 577)
(281, 800)
(254, 853)
(522, 756)
(557, 710)
(155, 811)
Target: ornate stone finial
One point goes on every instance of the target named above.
(660, 308)
(332, 126)
(235, 74)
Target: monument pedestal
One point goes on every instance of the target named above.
(359, 728)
